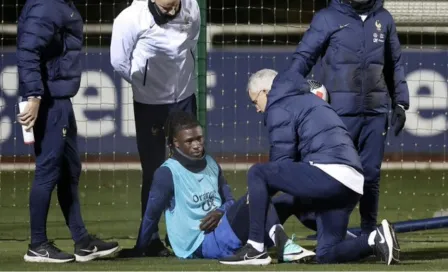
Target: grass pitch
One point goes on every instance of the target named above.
(111, 209)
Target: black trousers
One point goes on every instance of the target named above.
(151, 145)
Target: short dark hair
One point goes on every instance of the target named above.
(177, 121)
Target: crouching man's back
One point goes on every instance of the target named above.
(305, 128)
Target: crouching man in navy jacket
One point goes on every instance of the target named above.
(313, 159)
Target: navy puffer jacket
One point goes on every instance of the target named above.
(49, 44)
(303, 127)
(361, 64)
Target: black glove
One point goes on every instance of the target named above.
(211, 221)
(398, 119)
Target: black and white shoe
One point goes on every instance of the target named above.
(247, 255)
(91, 248)
(47, 253)
(386, 243)
(157, 249)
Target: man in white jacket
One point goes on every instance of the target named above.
(153, 47)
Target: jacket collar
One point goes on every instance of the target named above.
(191, 164)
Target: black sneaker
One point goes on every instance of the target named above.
(157, 249)
(47, 253)
(131, 253)
(247, 255)
(386, 243)
(91, 248)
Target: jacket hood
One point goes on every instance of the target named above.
(287, 84)
(346, 8)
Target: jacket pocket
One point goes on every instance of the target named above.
(70, 65)
(346, 102)
(145, 72)
(52, 68)
(65, 67)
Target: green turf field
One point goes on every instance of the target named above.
(111, 208)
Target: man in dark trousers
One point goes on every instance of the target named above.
(49, 44)
(313, 159)
(153, 48)
(362, 69)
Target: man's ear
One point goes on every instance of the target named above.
(175, 142)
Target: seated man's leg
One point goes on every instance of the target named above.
(233, 230)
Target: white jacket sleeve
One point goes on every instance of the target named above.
(125, 33)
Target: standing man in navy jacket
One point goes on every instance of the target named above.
(313, 159)
(362, 69)
(49, 44)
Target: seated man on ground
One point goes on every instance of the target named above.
(313, 159)
(202, 218)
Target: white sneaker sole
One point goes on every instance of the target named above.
(37, 259)
(265, 261)
(303, 256)
(93, 256)
(389, 240)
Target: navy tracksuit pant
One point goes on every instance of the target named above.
(369, 134)
(313, 191)
(57, 164)
(149, 122)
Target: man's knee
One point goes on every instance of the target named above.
(48, 169)
(255, 172)
(325, 256)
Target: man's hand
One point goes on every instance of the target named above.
(398, 119)
(211, 221)
(29, 115)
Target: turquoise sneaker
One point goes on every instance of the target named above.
(288, 251)
(292, 252)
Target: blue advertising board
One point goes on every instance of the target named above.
(104, 110)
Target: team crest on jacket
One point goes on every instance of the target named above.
(378, 25)
(378, 36)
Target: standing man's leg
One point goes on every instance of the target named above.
(49, 152)
(87, 247)
(149, 121)
(187, 105)
(69, 179)
(371, 150)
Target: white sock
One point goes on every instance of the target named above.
(258, 246)
(155, 235)
(272, 232)
(371, 240)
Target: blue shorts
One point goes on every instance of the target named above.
(222, 242)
